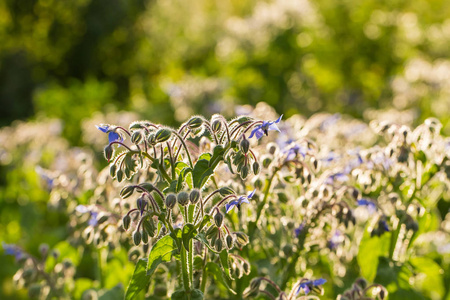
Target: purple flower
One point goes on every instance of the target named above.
(112, 135)
(371, 207)
(237, 202)
(299, 229)
(11, 249)
(308, 285)
(264, 128)
(335, 240)
(84, 209)
(294, 151)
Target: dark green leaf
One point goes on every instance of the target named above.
(161, 252)
(217, 273)
(187, 234)
(139, 280)
(224, 263)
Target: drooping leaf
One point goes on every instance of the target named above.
(160, 252)
(139, 280)
(224, 263)
(217, 273)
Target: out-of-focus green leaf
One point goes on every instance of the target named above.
(370, 249)
(139, 280)
(161, 252)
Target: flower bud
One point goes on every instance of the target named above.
(194, 196)
(241, 238)
(183, 198)
(126, 221)
(218, 245)
(246, 267)
(255, 283)
(141, 203)
(112, 170)
(256, 168)
(144, 236)
(230, 242)
(216, 125)
(127, 191)
(137, 137)
(266, 162)
(34, 291)
(149, 227)
(218, 219)
(163, 135)
(119, 175)
(109, 151)
(244, 171)
(171, 200)
(195, 122)
(211, 232)
(244, 145)
(148, 186)
(137, 237)
(151, 139)
(226, 191)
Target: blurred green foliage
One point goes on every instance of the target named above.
(299, 56)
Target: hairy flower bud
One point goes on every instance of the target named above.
(218, 245)
(137, 137)
(216, 125)
(218, 219)
(244, 145)
(127, 191)
(119, 175)
(112, 170)
(244, 171)
(163, 135)
(149, 227)
(144, 236)
(109, 151)
(151, 139)
(195, 122)
(137, 237)
(194, 196)
(255, 283)
(230, 242)
(241, 239)
(226, 191)
(126, 221)
(256, 168)
(171, 200)
(183, 198)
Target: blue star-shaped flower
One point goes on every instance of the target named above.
(112, 135)
(371, 207)
(308, 285)
(242, 199)
(264, 128)
(294, 150)
(13, 250)
(84, 209)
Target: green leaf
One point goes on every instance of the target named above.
(172, 188)
(187, 234)
(370, 249)
(428, 277)
(116, 293)
(181, 295)
(201, 237)
(161, 252)
(224, 263)
(205, 166)
(181, 178)
(217, 273)
(138, 281)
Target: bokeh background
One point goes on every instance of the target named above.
(67, 65)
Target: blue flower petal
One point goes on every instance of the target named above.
(274, 127)
(81, 209)
(319, 281)
(113, 136)
(250, 196)
(102, 127)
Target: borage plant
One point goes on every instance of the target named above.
(179, 208)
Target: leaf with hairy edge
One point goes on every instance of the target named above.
(205, 166)
(201, 237)
(224, 262)
(161, 252)
(139, 280)
(182, 177)
(187, 234)
(217, 273)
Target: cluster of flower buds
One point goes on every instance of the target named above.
(362, 290)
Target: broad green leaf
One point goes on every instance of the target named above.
(187, 234)
(370, 249)
(138, 281)
(224, 263)
(181, 295)
(428, 277)
(116, 293)
(201, 173)
(217, 273)
(181, 178)
(160, 252)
